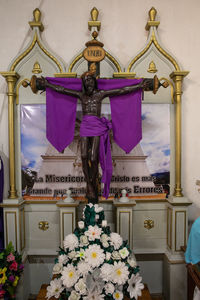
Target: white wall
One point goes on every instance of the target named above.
(124, 35)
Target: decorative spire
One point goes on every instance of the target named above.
(36, 68)
(152, 14)
(36, 20)
(94, 14)
(152, 22)
(152, 67)
(94, 23)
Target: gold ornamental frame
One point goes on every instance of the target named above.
(12, 78)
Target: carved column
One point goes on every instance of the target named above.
(11, 78)
(177, 77)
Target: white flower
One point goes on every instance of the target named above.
(116, 240)
(135, 286)
(94, 295)
(74, 296)
(80, 287)
(97, 208)
(70, 241)
(104, 223)
(57, 269)
(116, 255)
(94, 255)
(83, 241)
(80, 254)
(106, 271)
(108, 255)
(119, 273)
(62, 259)
(109, 288)
(93, 232)
(118, 295)
(83, 268)
(124, 252)
(55, 288)
(132, 262)
(104, 239)
(81, 224)
(72, 254)
(69, 276)
(105, 245)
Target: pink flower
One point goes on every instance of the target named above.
(10, 257)
(13, 266)
(2, 292)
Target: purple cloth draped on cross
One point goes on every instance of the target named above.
(125, 113)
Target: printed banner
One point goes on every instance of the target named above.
(48, 173)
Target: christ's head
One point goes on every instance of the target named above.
(89, 83)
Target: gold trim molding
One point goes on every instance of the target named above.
(184, 230)
(124, 75)
(178, 77)
(76, 59)
(11, 78)
(169, 227)
(154, 41)
(27, 51)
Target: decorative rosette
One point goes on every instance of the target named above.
(95, 263)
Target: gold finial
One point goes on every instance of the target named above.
(37, 15)
(152, 67)
(152, 22)
(94, 14)
(36, 20)
(94, 23)
(152, 14)
(36, 68)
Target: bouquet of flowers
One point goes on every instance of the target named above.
(11, 268)
(95, 263)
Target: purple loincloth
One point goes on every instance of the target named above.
(125, 113)
(94, 126)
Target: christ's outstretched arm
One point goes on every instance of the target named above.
(146, 85)
(42, 83)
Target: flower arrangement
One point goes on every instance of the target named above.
(95, 263)
(11, 268)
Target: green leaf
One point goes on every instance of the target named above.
(10, 248)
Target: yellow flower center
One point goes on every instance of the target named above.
(117, 295)
(71, 274)
(93, 233)
(94, 254)
(119, 272)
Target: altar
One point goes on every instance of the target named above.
(155, 216)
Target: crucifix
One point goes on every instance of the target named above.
(94, 129)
